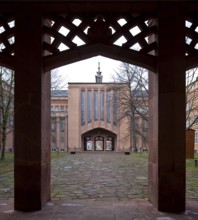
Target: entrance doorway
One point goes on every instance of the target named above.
(99, 140)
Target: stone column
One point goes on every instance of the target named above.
(167, 113)
(32, 113)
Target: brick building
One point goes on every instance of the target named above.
(59, 120)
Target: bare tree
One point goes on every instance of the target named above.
(6, 105)
(58, 81)
(132, 83)
(191, 97)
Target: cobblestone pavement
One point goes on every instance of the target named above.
(97, 186)
(99, 176)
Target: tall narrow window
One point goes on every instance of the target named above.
(115, 99)
(95, 105)
(62, 124)
(82, 107)
(102, 105)
(109, 106)
(53, 124)
(89, 107)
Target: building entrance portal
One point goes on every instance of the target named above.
(103, 142)
(99, 143)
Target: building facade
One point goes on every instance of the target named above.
(59, 120)
(93, 118)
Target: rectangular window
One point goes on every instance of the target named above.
(62, 108)
(115, 108)
(102, 105)
(62, 140)
(53, 139)
(89, 107)
(82, 107)
(56, 108)
(95, 105)
(109, 106)
(52, 108)
(62, 124)
(53, 124)
(196, 138)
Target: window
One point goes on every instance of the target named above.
(56, 108)
(196, 138)
(102, 105)
(62, 108)
(89, 107)
(62, 124)
(82, 107)
(95, 105)
(52, 108)
(62, 139)
(109, 106)
(53, 139)
(115, 108)
(53, 124)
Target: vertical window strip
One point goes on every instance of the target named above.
(82, 107)
(95, 105)
(89, 106)
(102, 105)
(109, 106)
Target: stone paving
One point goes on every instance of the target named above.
(97, 186)
(99, 176)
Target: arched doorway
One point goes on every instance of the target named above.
(99, 140)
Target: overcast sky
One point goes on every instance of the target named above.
(85, 71)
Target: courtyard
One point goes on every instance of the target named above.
(99, 186)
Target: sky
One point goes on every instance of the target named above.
(85, 71)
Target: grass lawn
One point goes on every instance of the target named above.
(7, 165)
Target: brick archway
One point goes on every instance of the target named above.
(28, 48)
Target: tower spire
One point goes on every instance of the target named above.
(98, 74)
